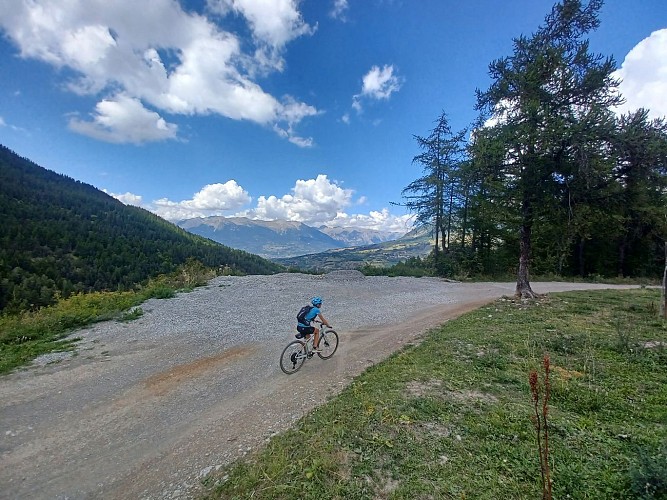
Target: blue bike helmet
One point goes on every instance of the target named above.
(317, 301)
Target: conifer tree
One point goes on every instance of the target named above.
(551, 102)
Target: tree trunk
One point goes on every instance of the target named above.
(580, 258)
(523, 289)
(464, 223)
(621, 257)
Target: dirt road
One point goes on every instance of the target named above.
(135, 417)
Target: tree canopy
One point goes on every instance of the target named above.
(552, 175)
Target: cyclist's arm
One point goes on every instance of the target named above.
(324, 321)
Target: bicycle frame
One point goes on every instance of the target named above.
(300, 350)
(311, 337)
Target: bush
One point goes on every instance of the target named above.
(27, 335)
(648, 479)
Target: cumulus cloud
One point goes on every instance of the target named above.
(381, 220)
(314, 202)
(274, 23)
(643, 76)
(124, 119)
(339, 9)
(380, 83)
(167, 59)
(127, 198)
(212, 199)
(377, 84)
(227, 196)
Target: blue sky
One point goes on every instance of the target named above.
(272, 109)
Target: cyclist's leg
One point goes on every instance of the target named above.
(316, 340)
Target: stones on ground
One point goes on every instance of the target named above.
(345, 275)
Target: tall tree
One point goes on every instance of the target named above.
(663, 302)
(640, 148)
(434, 196)
(551, 101)
(491, 208)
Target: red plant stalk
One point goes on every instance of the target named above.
(545, 411)
(535, 395)
(541, 423)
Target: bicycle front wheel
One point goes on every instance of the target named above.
(328, 344)
(293, 357)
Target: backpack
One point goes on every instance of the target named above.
(301, 317)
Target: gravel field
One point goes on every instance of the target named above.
(147, 408)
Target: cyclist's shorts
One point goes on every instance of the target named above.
(304, 330)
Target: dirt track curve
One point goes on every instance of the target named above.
(150, 420)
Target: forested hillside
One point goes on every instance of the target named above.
(416, 244)
(59, 236)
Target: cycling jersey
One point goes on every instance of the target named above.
(312, 314)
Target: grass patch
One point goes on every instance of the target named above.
(25, 336)
(451, 418)
(132, 314)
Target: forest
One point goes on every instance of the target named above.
(549, 180)
(59, 237)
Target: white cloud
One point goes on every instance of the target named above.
(173, 61)
(127, 198)
(292, 113)
(377, 84)
(339, 9)
(220, 197)
(212, 199)
(124, 119)
(378, 220)
(313, 201)
(380, 83)
(301, 141)
(274, 23)
(644, 76)
(3, 123)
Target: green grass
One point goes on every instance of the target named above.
(25, 336)
(451, 418)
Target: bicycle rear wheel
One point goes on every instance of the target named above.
(293, 357)
(328, 344)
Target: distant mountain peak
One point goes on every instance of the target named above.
(270, 239)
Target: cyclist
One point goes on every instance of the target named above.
(306, 328)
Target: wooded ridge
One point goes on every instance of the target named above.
(60, 236)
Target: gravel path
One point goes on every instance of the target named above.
(147, 409)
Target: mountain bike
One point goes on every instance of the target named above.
(298, 351)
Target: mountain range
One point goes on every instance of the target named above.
(416, 243)
(281, 239)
